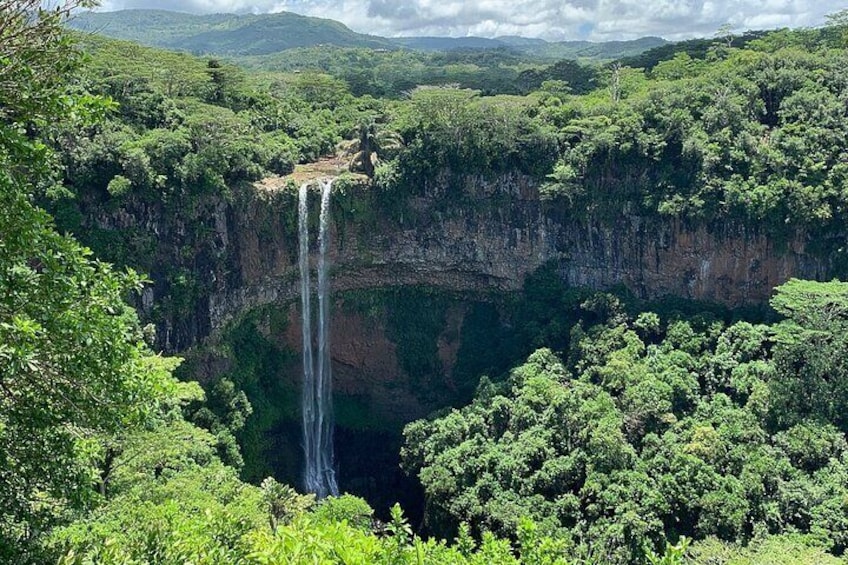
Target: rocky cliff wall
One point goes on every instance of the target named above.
(220, 259)
(488, 239)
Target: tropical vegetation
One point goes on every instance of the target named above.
(624, 433)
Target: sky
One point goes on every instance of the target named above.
(555, 20)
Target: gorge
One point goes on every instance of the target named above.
(455, 250)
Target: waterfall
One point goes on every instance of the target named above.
(317, 399)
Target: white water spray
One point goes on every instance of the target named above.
(317, 400)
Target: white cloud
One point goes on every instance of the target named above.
(550, 19)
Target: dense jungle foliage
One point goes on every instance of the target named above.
(626, 437)
(652, 428)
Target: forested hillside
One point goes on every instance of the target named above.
(223, 34)
(572, 425)
(244, 35)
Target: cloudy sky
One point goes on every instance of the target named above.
(550, 19)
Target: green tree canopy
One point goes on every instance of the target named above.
(73, 362)
(652, 431)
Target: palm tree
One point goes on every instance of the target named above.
(368, 143)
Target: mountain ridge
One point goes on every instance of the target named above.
(262, 34)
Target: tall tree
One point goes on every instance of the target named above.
(368, 144)
(837, 27)
(811, 355)
(73, 363)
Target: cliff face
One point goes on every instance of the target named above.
(490, 238)
(221, 259)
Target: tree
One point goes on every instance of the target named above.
(725, 35)
(837, 27)
(811, 355)
(615, 82)
(811, 305)
(225, 84)
(368, 144)
(35, 56)
(73, 363)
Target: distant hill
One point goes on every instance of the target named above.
(251, 35)
(535, 47)
(695, 48)
(447, 43)
(598, 50)
(522, 42)
(224, 34)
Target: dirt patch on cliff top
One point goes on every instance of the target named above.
(323, 168)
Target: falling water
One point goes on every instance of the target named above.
(319, 473)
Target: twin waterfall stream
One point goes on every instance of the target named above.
(317, 400)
